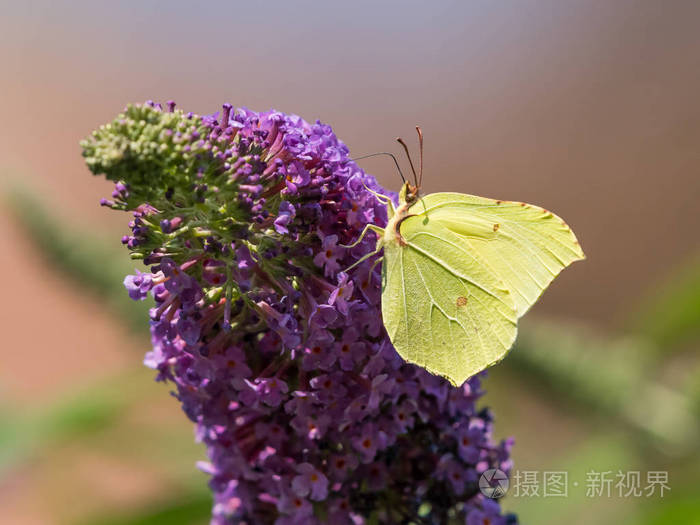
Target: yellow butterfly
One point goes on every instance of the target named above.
(459, 270)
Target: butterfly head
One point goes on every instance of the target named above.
(409, 193)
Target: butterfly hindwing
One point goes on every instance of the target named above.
(443, 308)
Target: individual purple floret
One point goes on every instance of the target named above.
(138, 285)
(275, 351)
(488, 514)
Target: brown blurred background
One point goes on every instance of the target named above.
(587, 108)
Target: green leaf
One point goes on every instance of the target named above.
(192, 508)
(91, 264)
(677, 510)
(612, 376)
(670, 316)
(81, 414)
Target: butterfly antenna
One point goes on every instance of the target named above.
(420, 168)
(396, 162)
(405, 148)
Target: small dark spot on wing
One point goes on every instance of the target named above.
(461, 301)
(496, 226)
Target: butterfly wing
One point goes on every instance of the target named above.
(442, 307)
(525, 246)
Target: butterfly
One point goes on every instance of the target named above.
(458, 271)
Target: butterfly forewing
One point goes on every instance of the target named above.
(443, 308)
(524, 246)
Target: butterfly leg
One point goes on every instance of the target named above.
(379, 259)
(381, 198)
(364, 258)
(384, 200)
(376, 229)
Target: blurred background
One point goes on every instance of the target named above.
(587, 108)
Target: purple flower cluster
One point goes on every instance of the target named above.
(279, 356)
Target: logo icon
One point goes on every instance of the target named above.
(493, 483)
